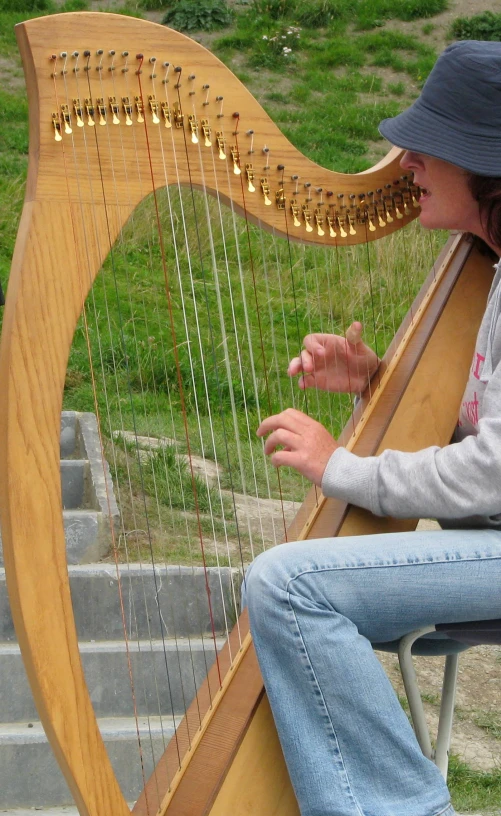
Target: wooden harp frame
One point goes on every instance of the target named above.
(68, 225)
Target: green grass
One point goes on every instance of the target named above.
(329, 106)
(472, 790)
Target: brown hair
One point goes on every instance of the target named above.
(487, 191)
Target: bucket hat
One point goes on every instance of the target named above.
(457, 117)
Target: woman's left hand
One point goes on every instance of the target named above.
(303, 442)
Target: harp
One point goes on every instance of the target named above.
(120, 110)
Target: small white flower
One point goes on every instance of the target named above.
(265, 37)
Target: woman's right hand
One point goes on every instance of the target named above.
(334, 363)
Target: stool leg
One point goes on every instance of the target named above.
(446, 714)
(412, 689)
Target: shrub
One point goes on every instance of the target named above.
(484, 26)
(198, 15)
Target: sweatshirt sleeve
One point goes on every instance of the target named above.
(460, 480)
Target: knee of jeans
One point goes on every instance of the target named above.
(264, 579)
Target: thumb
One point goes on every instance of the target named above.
(353, 333)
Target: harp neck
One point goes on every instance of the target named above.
(108, 93)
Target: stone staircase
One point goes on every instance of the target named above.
(87, 491)
(175, 625)
(170, 644)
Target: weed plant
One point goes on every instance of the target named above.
(197, 15)
(483, 26)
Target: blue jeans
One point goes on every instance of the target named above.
(315, 609)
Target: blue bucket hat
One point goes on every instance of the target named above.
(457, 118)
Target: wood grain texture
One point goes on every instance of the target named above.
(125, 162)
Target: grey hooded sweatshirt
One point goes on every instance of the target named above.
(459, 484)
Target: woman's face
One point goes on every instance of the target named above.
(446, 201)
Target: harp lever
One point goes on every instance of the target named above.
(265, 187)
(56, 124)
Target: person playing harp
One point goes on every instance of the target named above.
(317, 607)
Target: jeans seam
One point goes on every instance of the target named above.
(326, 710)
(386, 566)
(444, 810)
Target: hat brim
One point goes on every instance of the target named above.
(423, 130)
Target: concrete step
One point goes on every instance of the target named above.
(41, 783)
(167, 601)
(165, 676)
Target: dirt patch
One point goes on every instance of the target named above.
(477, 727)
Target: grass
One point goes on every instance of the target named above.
(225, 386)
(473, 790)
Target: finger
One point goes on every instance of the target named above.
(307, 381)
(287, 419)
(354, 333)
(284, 458)
(295, 367)
(300, 364)
(315, 344)
(280, 438)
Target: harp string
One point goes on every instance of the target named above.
(125, 355)
(308, 288)
(93, 379)
(260, 337)
(211, 342)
